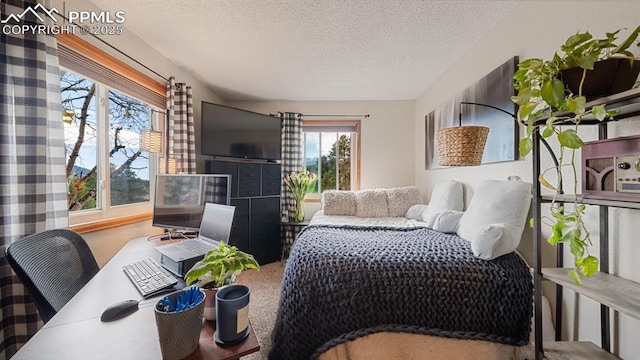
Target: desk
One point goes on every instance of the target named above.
(76, 331)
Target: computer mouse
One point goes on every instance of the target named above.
(119, 310)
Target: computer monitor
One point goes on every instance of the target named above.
(179, 199)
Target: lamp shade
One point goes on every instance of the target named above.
(151, 141)
(172, 165)
(169, 164)
(462, 145)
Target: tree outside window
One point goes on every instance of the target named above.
(330, 156)
(87, 127)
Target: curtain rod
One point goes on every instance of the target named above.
(113, 47)
(356, 115)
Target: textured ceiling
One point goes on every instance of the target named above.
(312, 50)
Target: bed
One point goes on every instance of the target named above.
(352, 283)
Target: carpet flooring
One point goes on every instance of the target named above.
(263, 303)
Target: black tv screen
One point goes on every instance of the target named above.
(179, 199)
(231, 132)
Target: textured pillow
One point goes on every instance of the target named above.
(400, 199)
(495, 218)
(415, 211)
(338, 202)
(371, 203)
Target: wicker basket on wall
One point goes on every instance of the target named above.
(462, 145)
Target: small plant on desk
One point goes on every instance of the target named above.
(219, 267)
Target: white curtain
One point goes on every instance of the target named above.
(33, 192)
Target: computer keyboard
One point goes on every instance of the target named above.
(149, 277)
(197, 246)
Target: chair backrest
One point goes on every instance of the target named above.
(53, 265)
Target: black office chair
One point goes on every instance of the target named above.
(53, 265)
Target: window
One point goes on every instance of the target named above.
(104, 111)
(87, 122)
(332, 151)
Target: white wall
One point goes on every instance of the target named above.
(106, 243)
(387, 149)
(537, 29)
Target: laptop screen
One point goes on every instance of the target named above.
(216, 222)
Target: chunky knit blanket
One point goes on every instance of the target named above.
(344, 282)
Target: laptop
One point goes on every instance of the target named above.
(215, 226)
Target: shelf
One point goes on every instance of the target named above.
(617, 293)
(627, 102)
(575, 350)
(590, 201)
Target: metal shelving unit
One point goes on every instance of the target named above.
(610, 291)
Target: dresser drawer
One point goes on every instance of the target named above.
(249, 171)
(271, 187)
(242, 207)
(266, 206)
(249, 188)
(271, 172)
(224, 167)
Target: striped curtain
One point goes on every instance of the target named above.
(33, 192)
(181, 137)
(291, 161)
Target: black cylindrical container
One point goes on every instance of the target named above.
(232, 314)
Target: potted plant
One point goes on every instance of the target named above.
(300, 185)
(542, 93)
(219, 267)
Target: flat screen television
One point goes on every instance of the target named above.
(179, 199)
(231, 132)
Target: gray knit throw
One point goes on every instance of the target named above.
(344, 282)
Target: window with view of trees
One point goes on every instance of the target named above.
(106, 104)
(105, 166)
(331, 151)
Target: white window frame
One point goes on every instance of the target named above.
(104, 209)
(336, 126)
(118, 76)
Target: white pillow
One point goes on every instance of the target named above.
(495, 218)
(447, 221)
(446, 195)
(415, 211)
(371, 204)
(400, 199)
(338, 202)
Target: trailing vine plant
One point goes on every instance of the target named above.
(541, 94)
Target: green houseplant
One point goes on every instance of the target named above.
(541, 93)
(300, 185)
(219, 267)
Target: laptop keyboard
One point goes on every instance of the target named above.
(197, 246)
(149, 277)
